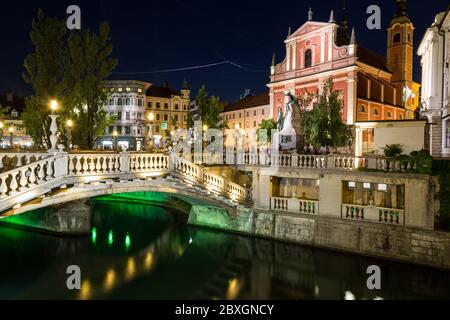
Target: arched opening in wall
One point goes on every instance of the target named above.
(400, 117)
(389, 115)
(308, 58)
(397, 37)
(362, 109)
(375, 112)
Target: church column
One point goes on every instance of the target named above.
(322, 47)
(294, 58)
(351, 100)
(330, 46)
(288, 58)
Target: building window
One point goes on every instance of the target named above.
(140, 90)
(448, 135)
(184, 107)
(128, 101)
(400, 116)
(149, 105)
(262, 112)
(139, 131)
(139, 115)
(176, 118)
(375, 112)
(111, 102)
(127, 116)
(166, 117)
(157, 129)
(119, 129)
(158, 105)
(127, 130)
(248, 114)
(362, 109)
(140, 103)
(119, 101)
(166, 106)
(119, 115)
(111, 130)
(308, 58)
(176, 106)
(389, 115)
(120, 89)
(234, 116)
(254, 124)
(397, 37)
(240, 115)
(158, 117)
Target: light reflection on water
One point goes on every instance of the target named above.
(141, 252)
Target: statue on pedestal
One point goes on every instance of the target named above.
(290, 138)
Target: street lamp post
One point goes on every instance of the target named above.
(69, 133)
(1, 133)
(53, 126)
(11, 132)
(150, 131)
(115, 135)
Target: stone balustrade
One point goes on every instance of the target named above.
(13, 160)
(294, 205)
(373, 214)
(92, 164)
(26, 177)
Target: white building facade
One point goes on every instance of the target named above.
(435, 53)
(127, 102)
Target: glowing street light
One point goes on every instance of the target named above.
(53, 105)
(205, 127)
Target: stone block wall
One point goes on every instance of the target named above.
(419, 246)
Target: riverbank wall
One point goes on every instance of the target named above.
(397, 243)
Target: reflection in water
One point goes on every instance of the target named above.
(137, 251)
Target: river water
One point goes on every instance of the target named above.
(138, 251)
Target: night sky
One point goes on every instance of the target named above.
(159, 35)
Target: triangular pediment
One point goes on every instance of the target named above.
(308, 27)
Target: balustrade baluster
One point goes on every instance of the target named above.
(49, 170)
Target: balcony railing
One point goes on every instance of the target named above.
(294, 205)
(373, 214)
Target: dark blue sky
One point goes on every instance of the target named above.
(157, 35)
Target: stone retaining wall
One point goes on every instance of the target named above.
(405, 244)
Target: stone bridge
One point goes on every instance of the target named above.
(34, 181)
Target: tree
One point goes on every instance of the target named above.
(73, 70)
(210, 109)
(267, 125)
(44, 71)
(88, 65)
(322, 125)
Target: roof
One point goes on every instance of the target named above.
(162, 92)
(261, 99)
(372, 59)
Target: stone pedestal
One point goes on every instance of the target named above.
(71, 219)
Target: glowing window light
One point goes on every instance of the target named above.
(127, 241)
(94, 235)
(110, 238)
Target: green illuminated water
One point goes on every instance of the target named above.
(137, 251)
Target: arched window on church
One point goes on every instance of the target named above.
(375, 112)
(397, 37)
(308, 58)
(362, 109)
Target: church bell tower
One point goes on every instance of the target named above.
(400, 52)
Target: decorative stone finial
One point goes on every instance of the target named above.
(331, 17)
